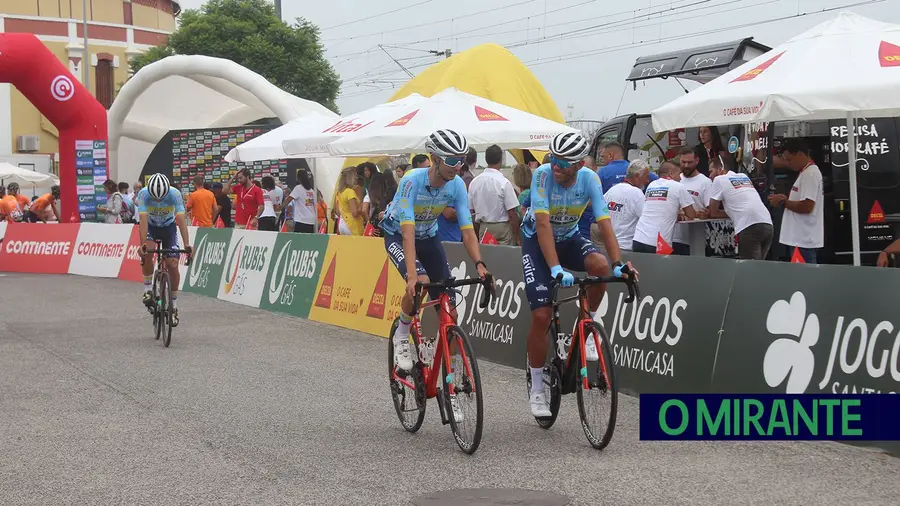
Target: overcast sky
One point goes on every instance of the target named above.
(580, 50)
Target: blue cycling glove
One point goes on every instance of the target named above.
(617, 271)
(567, 278)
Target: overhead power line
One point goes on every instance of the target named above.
(367, 18)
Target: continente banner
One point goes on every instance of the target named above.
(246, 264)
(293, 273)
(204, 274)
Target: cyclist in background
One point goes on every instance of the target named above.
(161, 212)
(560, 192)
(410, 227)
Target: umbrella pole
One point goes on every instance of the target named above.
(313, 170)
(854, 196)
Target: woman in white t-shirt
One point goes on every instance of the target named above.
(268, 220)
(304, 199)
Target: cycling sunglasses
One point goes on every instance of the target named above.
(452, 161)
(565, 164)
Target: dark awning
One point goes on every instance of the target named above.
(701, 64)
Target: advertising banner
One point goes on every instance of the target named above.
(98, 163)
(293, 273)
(802, 332)
(358, 288)
(205, 272)
(246, 264)
(665, 342)
(498, 332)
(131, 264)
(84, 164)
(99, 250)
(38, 248)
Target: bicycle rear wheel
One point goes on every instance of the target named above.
(165, 308)
(598, 423)
(409, 403)
(463, 373)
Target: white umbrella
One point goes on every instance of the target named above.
(483, 122)
(845, 68)
(269, 146)
(25, 178)
(309, 140)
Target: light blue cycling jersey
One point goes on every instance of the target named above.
(160, 213)
(417, 203)
(564, 205)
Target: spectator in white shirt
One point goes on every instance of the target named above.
(493, 200)
(697, 185)
(305, 215)
(803, 224)
(626, 201)
(752, 223)
(664, 200)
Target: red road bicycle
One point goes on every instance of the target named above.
(410, 389)
(566, 370)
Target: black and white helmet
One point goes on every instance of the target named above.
(571, 146)
(447, 143)
(158, 186)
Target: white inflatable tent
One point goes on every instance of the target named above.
(182, 92)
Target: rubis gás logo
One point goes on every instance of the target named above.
(209, 253)
(242, 261)
(792, 357)
(290, 264)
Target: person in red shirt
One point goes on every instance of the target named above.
(249, 202)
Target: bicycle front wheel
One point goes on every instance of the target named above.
(157, 314)
(465, 407)
(409, 403)
(165, 308)
(597, 404)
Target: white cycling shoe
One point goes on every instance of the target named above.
(540, 405)
(403, 355)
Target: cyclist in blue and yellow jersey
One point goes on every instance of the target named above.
(560, 192)
(161, 211)
(410, 227)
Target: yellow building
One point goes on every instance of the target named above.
(117, 31)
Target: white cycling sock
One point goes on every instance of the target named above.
(593, 315)
(403, 327)
(174, 301)
(537, 380)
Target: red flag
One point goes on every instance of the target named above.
(797, 258)
(219, 223)
(488, 238)
(284, 226)
(662, 247)
(323, 227)
(369, 231)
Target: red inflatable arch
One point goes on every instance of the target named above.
(27, 64)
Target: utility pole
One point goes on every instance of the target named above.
(85, 62)
(278, 8)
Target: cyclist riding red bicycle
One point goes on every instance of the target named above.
(560, 192)
(410, 227)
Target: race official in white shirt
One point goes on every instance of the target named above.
(752, 223)
(803, 224)
(664, 200)
(493, 200)
(697, 185)
(626, 202)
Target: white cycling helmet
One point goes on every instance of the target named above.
(158, 186)
(569, 146)
(447, 143)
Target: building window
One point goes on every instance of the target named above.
(104, 84)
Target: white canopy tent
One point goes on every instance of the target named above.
(790, 83)
(483, 122)
(26, 179)
(308, 137)
(193, 91)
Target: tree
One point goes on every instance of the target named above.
(249, 33)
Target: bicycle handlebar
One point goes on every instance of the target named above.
(161, 251)
(487, 282)
(634, 290)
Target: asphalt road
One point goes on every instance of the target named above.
(251, 407)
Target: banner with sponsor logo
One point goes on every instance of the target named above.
(99, 250)
(805, 333)
(294, 271)
(205, 272)
(38, 248)
(358, 288)
(246, 264)
(131, 264)
(498, 332)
